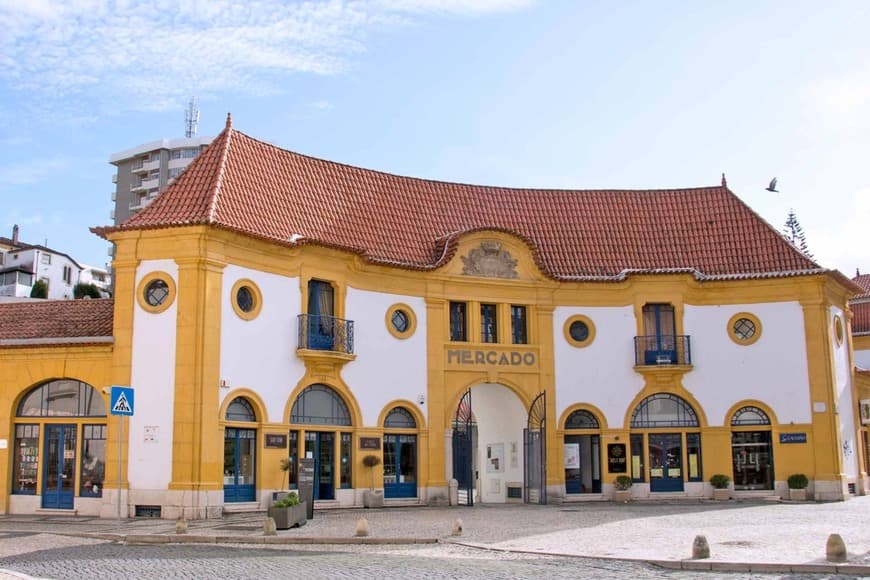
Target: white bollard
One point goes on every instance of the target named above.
(836, 549)
(700, 548)
(457, 527)
(362, 527)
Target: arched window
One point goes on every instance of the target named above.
(240, 410)
(581, 420)
(663, 410)
(63, 398)
(400, 418)
(749, 416)
(320, 405)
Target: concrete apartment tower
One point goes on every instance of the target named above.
(146, 169)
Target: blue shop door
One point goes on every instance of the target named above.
(239, 464)
(59, 469)
(659, 327)
(321, 313)
(666, 462)
(321, 446)
(400, 466)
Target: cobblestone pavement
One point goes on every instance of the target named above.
(58, 557)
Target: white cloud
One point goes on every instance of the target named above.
(842, 100)
(30, 171)
(124, 54)
(844, 245)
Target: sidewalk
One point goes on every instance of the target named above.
(743, 536)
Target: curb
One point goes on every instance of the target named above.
(155, 539)
(698, 565)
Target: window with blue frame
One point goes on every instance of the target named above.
(488, 323)
(458, 322)
(93, 460)
(519, 328)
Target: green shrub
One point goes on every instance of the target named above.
(623, 482)
(720, 481)
(39, 290)
(289, 500)
(798, 481)
(82, 290)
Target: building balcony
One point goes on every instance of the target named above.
(326, 334)
(658, 350)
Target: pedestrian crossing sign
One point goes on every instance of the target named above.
(121, 401)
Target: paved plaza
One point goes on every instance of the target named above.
(743, 536)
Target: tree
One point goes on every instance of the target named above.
(794, 233)
(39, 290)
(86, 290)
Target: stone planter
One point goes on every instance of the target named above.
(721, 494)
(373, 498)
(289, 517)
(622, 495)
(797, 494)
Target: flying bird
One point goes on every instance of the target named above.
(772, 186)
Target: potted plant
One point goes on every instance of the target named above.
(797, 486)
(372, 498)
(720, 483)
(622, 486)
(289, 512)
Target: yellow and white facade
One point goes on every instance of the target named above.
(751, 377)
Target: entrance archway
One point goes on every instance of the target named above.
(488, 426)
(751, 449)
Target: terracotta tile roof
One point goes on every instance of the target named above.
(861, 318)
(56, 319)
(862, 280)
(252, 187)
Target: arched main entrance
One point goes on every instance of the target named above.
(582, 453)
(60, 443)
(673, 441)
(400, 454)
(240, 448)
(488, 434)
(751, 449)
(326, 438)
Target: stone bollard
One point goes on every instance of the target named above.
(269, 528)
(362, 527)
(700, 548)
(181, 526)
(453, 497)
(836, 549)
(457, 527)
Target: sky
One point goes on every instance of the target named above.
(522, 93)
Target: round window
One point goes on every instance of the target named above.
(579, 330)
(245, 299)
(838, 329)
(156, 293)
(744, 328)
(400, 321)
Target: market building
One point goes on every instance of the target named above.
(531, 345)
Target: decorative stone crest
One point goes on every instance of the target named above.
(489, 261)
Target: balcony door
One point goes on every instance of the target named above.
(659, 329)
(321, 313)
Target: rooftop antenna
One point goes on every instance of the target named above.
(191, 118)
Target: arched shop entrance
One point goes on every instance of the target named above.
(488, 433)
(240, 448)
(751, 449)
(582, 453)
(671, 434)
(327, 438)
(400, 454)
(60, 443)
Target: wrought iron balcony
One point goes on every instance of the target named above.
(319, 332)
(662, 350)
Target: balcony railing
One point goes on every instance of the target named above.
(319, 332)
(662, 350)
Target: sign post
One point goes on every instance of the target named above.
(120, 404)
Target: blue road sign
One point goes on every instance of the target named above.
(121, 401)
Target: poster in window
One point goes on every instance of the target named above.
(572, 455)
(495, 458)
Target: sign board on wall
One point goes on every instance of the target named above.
(616, 460)
(495, 458)
(369, 442)
(792, 437)
(276, 440)
(864, 410)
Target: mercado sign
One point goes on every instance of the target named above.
(489, 358)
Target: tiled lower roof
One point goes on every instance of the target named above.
(248, 186)
(56, 320)
(860, 318)
(863, 280)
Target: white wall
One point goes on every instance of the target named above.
(843, 388)
(862, 359)
(601, 374)
(153, 381)
(260, 354)
(501, 418)
(386, 368)
(772, 370)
